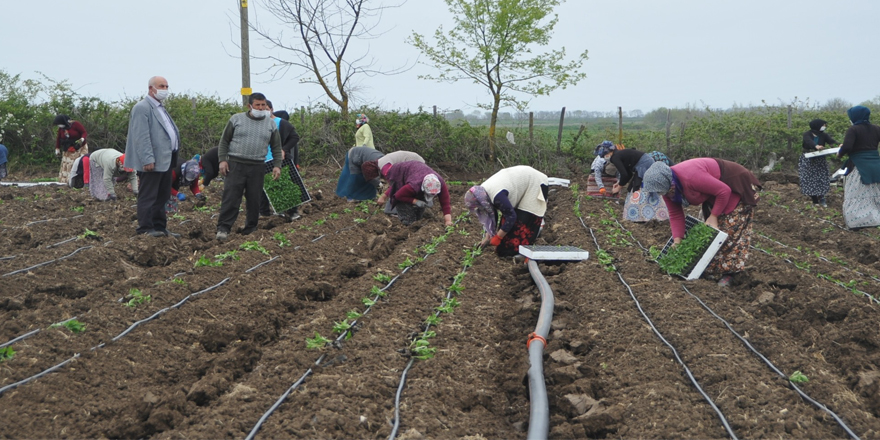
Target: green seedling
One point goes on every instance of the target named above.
(421, 349)
(342, 327)
(347, 210)
(376, 291)
(317, 342)
(253, 246)
(382, 278)
(79, 209)
(176, 216)
(369, 302)
(137, 298)
(353, 315)
(179, 281)
(798, 377)
(90, 234)
(205, 261)
(606, 260)
(228, 255)
(406, 263)
(363, 207)
(282, 239)
(333, 215)
(203, 208)
(433, 320)
(6, 353)
(360, 220)
(320, 222)
(654, 252)
(73, 325)
(463, 232)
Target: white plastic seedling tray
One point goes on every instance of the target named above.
(704, 261)
(560, 253)
(824, 152)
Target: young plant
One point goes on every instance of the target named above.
(282, 239)
(6, 353)
(73, 325)
(353, 315)
(376, 291)
(343, 327)
(433, 320)
(421, 349)
(406, 263)
(79, 209)
(369, 302)
(179, 281)
(360, 220)
(177, 216)
(137, 298)
(333, 215)
(254, 246)
(283, 193)
(233, 255)
(205, 261)
(605, 259)
(317, 342)
(320, 222)
(798, 377)
(90, 234)
(382, 278)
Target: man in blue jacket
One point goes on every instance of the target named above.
(152, 146)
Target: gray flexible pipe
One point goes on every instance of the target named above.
(539, 413)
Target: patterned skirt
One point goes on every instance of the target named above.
(643, 206)
(813, 172)
(732, 256)
(861, 203)
(525, 231)
(67, 158)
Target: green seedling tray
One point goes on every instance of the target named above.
(295, 178)
(698, 265)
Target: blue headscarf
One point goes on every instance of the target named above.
(859, 115)
(604, 148)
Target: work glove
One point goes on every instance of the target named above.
(181, 196)
(79, 141)
(111, 197)
(57, 152)
(200, 196)
(602, 191)
(495, 241)
(419, 203)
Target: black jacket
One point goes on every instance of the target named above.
(210, 162)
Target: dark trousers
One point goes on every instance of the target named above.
(243, 179)
(154, 189)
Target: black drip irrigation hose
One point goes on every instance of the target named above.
(822, 276)
(263, 263)
(51, 220)
(773, 367)
(46, 262)
(102, 345)
(412, 360)
(539, 414)
(821, 258)
(308, 372)
(61, 242)
(7, 258)
(671, 347)
(33, 332)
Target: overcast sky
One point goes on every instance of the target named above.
(644, 54)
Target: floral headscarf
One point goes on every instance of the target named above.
(189, 171)
(431, 186)
(604, 148)
(361, 119)
(477, 202)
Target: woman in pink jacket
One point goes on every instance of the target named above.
(727, 192)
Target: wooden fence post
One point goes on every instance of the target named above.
(532, 129)
(668, 127)
(559, 135)
(435, 112)
(789, 128)
(620, 125)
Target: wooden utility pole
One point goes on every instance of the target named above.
(559, 135)
(789, 128)
(667, 130)
(620, 125)
(245, 54)
(531, 129)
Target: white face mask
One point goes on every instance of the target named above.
(822, 129)
(259, 113)
(60, 126)
(161, 94)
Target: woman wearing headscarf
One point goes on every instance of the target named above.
(186, 173)
(364, 135)
(727, 192)
(412, 186)
(352, 183)
(813, 171)
(519, 195)
(70, 144)
(861, 199)
(631, 166)
(373, 168)
(598, 167)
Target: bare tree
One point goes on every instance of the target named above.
(321, 48)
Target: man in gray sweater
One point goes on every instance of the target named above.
(242, 156)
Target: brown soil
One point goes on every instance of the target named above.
(213, 366)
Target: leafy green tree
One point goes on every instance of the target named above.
(492, 45)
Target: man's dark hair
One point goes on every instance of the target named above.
(269, 103)
(256, 97)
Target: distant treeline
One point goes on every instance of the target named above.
(746, 135)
